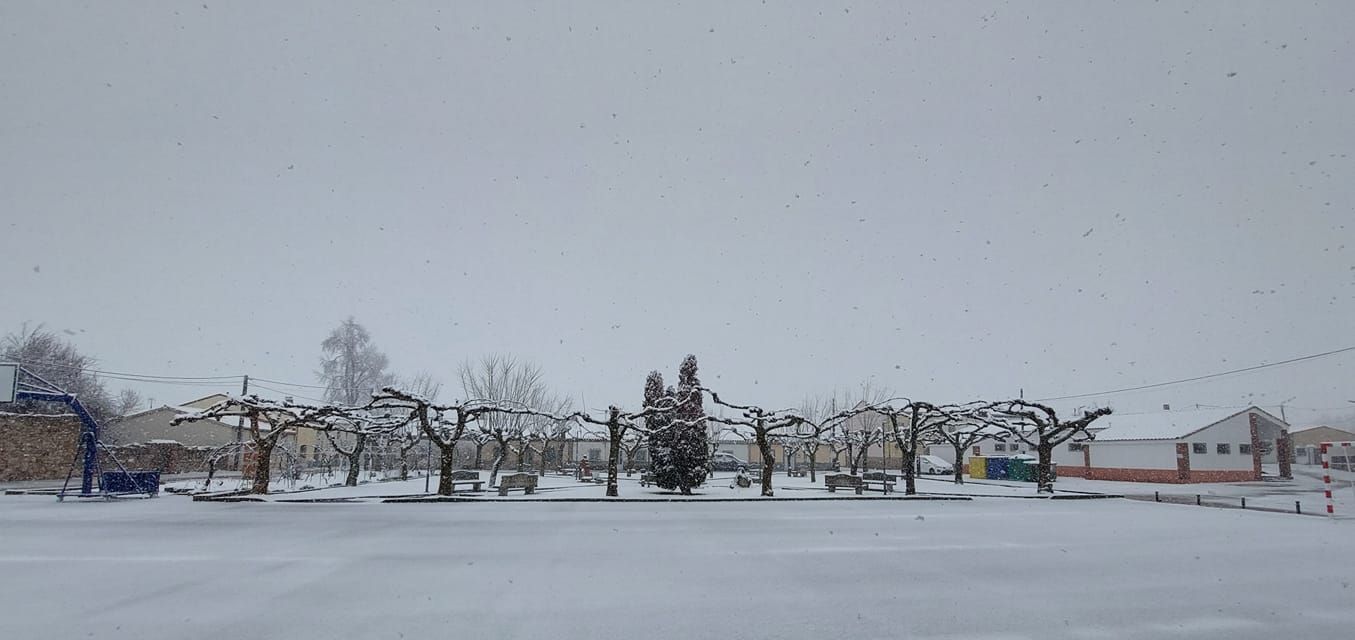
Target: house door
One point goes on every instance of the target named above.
(1183, 461)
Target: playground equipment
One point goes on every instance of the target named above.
(18, 384)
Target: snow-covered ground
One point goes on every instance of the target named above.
(1306, 487)
(554, 486)
(991, 568)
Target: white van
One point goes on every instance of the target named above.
(933, 466)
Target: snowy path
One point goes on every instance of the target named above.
(169, 568)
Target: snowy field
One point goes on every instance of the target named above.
(991, 568)
(554, 486)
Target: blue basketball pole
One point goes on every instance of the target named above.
(89, 434)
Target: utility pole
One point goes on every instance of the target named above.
(240, 429)
(1282, 403)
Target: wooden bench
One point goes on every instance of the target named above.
(798, 472)
(835, 480)
(878, 481)
(524, 481)
(646, 479)
(471, 478)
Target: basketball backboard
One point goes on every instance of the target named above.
(9, 381)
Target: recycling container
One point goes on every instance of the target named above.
(997, 468)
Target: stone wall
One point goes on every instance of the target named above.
(165, 457)
(37, 447)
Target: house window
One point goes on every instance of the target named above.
(1244, 449)
(999, 447)
(1224, 449)
(1199, 447)
(1075, 446)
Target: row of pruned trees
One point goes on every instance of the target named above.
(910, 425)
(508, 405)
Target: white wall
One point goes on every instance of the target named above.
(1234, 432)
(1134, 454)
(947, 452)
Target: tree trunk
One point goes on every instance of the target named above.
(910, 472)
(446, 459)
(498, 464)
(479, 455)
(813, 453)
(851, 458)
(355, 461)
(211, 471)
(910, 464)
(768, 464)
(1043, 476)
(263, 463)
(959, 463)
(613, 452)
(545, 446)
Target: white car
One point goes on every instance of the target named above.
(933, 465)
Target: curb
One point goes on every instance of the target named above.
(428, 499)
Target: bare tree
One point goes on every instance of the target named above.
(1039, 426)
(619, 423)
(57, 361)
(715, 433)
(631, 444)
(504, 380)
(443, 425)
(552, 433)
(357, 443)
(912, 424)
(127, 402)
(819, 411)
(352, 369)
(857, 443)
(267, 421)
(422, 385)
(480, 439)
(765, 424)
(961, 434)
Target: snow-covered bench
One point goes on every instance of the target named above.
(646, 479)
(835, 480)
(878, 481)
(524, 481)
(471, 478)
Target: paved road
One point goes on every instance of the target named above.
(170, 568)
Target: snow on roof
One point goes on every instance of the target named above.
(1163, 425)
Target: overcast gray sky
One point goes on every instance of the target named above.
(956, 200)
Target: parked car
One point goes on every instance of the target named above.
(723, 461)
(934, 466)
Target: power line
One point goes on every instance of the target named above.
(316, 386)
(63, 365)
(301, 386)
(286, 393)
(1157, 385)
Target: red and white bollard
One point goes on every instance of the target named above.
(1326, 470)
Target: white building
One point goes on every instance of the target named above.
(1198, 445)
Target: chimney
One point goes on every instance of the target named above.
(1166, 407)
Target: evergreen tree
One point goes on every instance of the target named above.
(690, 451)
(660, 441)
(678, 452)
